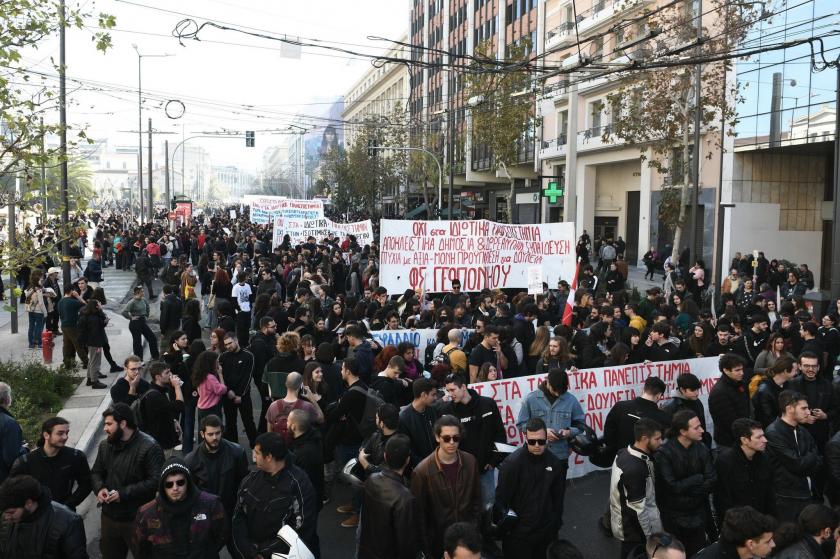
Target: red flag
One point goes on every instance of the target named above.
(570, 302)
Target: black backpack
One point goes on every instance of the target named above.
(367, 425)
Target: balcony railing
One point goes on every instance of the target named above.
(562, 29)
(560, 140)
(596, 132)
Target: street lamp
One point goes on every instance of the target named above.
(140, 127)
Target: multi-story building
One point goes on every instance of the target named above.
(447, 30)
(114, 169)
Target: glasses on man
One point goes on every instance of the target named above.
(536, 442)
(179, 482)
(134, 369)
(450, 438)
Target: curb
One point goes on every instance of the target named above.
(94, 425)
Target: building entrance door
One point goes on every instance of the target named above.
(605, 228)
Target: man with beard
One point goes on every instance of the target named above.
(182, 521)
(35, 526)
(56, 466)
(263, 348)
(125, 476)
(277, 494)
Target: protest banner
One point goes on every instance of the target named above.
(428, 255)
(301, 229)
(598, 390)
(421, 339)
(266, 209)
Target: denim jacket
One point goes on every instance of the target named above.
(564, 413)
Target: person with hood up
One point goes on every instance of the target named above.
(182, 521)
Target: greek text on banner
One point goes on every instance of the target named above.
(428, 255)
(598, 390)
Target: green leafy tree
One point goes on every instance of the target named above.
(79, 184)
(503, 119)
(25, 101)
(422, 169)
(655, 107)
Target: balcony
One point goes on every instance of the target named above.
(556, 91)
(603, 11)
(554, 148)
(560, 36)
(592, 138)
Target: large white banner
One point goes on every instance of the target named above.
(421, 339)
(266, 209)
(598, 390)
(301, 229)
(428, 255)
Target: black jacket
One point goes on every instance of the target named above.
(59, 474)
(389, 519)
(119, 391)
(392, 390)
(220, 472)
(160, 411)
(131, 467)
(822, 395)
(92, 329)
(684, 479)
(765, 402)
(718, 550)
(170, 314)
(237, 369)
(728, 401)
(309, 457)
(743, 482)
(265, 503)
(262, 347)
(832, 467)
(418, 428)
(52, 532)
(11, 442)
(533, 487)
(621, 419)
(481, 427)
(793, 462)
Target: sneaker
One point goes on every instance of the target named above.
(351, 522)
(117, 369)
(344, 509)
(102, 376)
(88, 383)
(98, 385)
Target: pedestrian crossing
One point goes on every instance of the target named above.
(116, 283)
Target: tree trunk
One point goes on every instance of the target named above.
(686, 190)
(510, 201)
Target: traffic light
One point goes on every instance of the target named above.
(249, 139)
(172, 204)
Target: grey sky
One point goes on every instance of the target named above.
(254, 75)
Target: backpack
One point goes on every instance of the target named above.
(137, 409)
(280, 423)
(373, 399)
(443, 358)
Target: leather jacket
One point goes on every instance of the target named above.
(439, 504)
(684, 479)
(390, 517)
(52, 532)
(131, 467)
(222, 479)
(765, 402)
(794, 460)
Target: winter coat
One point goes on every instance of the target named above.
(52, 532)
(684, 479)
(391, 519)
(633, 512)
(794, 460)
(743, 482)
(481, 427)
(728, 400)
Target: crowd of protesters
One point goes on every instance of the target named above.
(402, 423)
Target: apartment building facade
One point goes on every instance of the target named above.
(447, 30)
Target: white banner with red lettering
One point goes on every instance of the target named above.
(266, 209)
(428, 255)
(301, 229)
(598, 390)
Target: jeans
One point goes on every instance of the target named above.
(139, 329)
(188, 427)
(488, 488)
(36, 326)
(344, 453)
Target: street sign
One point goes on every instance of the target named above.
(553, 192)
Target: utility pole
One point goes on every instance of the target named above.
(167, 197)
(140, 132)
(13, 243)
(835, 245)
(570, 196)
(44, 207)
(450, 124)
(151, 204)
(695, 198)
(62, 148)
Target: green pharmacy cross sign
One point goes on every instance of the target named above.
(553, 192)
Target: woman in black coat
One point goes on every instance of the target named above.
(92, 322)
